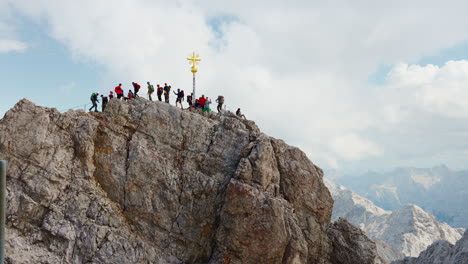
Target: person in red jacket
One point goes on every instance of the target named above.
(136, 88)
(202, 101)
(119, 91)
(111, 95)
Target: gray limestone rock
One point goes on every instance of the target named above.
(351, 245)
(145, 182)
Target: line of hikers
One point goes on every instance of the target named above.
(202, 103)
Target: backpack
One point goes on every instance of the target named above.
(181, 94)
(150, 88)
(160, 90)
(93, 97)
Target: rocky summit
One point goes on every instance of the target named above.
(146, 182)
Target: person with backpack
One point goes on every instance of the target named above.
(190, 100)
(130, 95)
(167, 90)
(159, 91)
(180, 97)
(136, 88)
(220, 102)
(119, 91)
(206, 107)
(104, 102)
(94, 100)
(150, 90)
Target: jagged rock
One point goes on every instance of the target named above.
(436, 253)
(351, 245)
(441, 252)
(386, 252)
(404, 232)
(145, 182)
(460, 252)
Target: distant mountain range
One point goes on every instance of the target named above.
(403, 232)
(439, 191)
(441, 252)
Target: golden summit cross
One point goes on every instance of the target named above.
(194, 59)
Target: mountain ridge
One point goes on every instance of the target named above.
(408, 230)
(441, 252)
(438, 190)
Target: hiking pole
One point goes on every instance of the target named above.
(3, 171)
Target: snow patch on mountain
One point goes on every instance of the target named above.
(387, 193)
(426, 180)
(441, 252)
(438, 190)
(408, 230)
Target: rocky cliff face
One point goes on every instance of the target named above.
(351, 245)
(145, 182)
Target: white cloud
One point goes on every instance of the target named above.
(8, 38)
(10, 45)
(441, 90)
(67, 89)
(353, 147)
(299, 69)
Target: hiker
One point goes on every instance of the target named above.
(180, 97)
(94, 100)
(220, 102)
(202, 101)
(206, 107)
(104, 102)
(136, 88)
(130, 94)
(190, 101)
(167, 90)
(111, 95)
(238, 113)
(159, 91)
(119, 91)
(197, 104)
(150, 90)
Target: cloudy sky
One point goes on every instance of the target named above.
(357, 85)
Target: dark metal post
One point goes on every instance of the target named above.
(3, 172)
